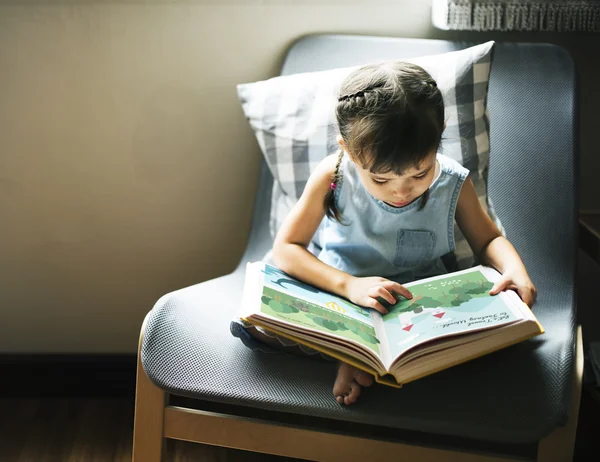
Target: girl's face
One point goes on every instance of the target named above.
(400, 190)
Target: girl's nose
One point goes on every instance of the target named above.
(402, 192)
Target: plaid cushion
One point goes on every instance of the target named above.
(294, 122)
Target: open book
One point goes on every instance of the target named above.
(450, 319)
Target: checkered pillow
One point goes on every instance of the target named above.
(293, 118)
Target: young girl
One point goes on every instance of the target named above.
(390, 200)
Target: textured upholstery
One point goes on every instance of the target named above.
(517, 395)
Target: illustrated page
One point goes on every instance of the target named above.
(288, 299)
(451, 304)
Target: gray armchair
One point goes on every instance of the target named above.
(198, 383)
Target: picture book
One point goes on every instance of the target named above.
(450, 319)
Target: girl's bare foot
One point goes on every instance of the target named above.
(349, 382)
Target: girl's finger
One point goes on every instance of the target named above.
(381, 292)
(372, 303)
(499, 286)
(398, 289)
(526, 296)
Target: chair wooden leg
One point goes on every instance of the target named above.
(560, 444)
(148, 439)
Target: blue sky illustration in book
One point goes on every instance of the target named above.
(279, 280)
(444, 306)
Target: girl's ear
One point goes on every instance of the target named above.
(340, 141)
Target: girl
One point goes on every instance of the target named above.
(390, 200)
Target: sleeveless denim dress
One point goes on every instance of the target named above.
(375, 239)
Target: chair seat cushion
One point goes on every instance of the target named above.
(512, 396)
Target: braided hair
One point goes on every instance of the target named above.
(330, 208)
(391, 117)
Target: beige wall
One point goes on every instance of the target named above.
(125, 161)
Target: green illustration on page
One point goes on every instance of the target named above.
(449, 305)
(292, 301)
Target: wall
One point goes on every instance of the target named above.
(125, 161)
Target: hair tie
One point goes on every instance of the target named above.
(332, 186)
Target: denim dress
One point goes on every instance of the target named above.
(375, 239)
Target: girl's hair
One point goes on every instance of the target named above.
(391, 117)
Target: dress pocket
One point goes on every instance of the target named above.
(414, 247)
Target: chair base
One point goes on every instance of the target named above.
(150, 401)
(155, 421)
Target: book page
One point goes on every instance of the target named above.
(452, 304)
(386, 354)
(291, 301)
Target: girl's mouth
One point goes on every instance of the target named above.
(400, 204)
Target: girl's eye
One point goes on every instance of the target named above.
(420, 177)
(379, 181)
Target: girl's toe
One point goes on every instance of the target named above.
(355, 389)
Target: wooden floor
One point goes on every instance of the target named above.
(100, 430)
(89, 430)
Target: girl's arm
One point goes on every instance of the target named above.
(290, 247)
(491, 247)
(291, 255)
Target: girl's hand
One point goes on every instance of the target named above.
(366, 291)
(519, 281)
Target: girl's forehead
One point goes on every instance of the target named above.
(407, 170)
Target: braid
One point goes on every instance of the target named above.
(329, 202)
(336, 174)
(358, 94)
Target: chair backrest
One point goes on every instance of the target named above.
(533, 136)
